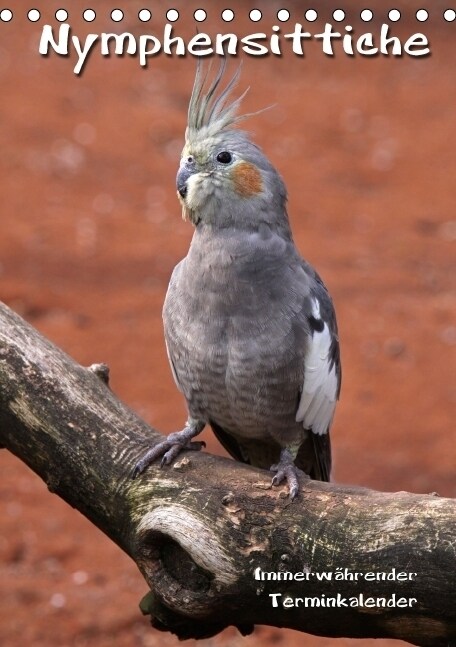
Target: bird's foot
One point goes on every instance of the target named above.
(287, 471)
(171, 447)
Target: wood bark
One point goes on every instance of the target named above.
(198, 529)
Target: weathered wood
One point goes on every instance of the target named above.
(199, 529)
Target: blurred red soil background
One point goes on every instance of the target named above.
(91, 229)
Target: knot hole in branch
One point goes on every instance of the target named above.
(168, 565)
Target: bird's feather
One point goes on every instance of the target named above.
(321, 381)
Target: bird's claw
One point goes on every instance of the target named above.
(287, 471)
(168, 449)
(287, 474)
(176, 448)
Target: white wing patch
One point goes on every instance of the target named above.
(319, 394)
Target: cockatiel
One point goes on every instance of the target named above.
(250, 328)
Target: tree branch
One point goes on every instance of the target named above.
(198, 529)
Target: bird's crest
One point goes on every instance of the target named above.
(212, 111)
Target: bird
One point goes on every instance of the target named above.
(250, 328)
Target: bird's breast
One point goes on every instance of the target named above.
(232, 325)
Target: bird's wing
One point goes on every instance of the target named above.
(322, 377)
(321, 460)
(173, 368)
(320, 388)
(167, 320)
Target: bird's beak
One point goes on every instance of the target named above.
(181, 180)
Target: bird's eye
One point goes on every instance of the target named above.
(190, 159)
(224, 157)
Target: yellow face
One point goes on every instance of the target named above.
(214, 171)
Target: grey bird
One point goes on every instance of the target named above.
(250, 328)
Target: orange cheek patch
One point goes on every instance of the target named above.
(246, 179)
